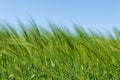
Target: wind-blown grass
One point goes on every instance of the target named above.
(37, 54)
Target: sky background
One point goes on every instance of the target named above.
(101, 15)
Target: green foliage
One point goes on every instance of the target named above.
(38, 54)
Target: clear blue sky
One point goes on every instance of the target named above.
(94, 14)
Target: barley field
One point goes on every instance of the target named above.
(35, 53)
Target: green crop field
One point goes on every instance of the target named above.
(38, 54)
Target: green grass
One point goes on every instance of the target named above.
(38, 54)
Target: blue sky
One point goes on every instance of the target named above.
(102, 15)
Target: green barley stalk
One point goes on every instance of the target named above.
(37, 54)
